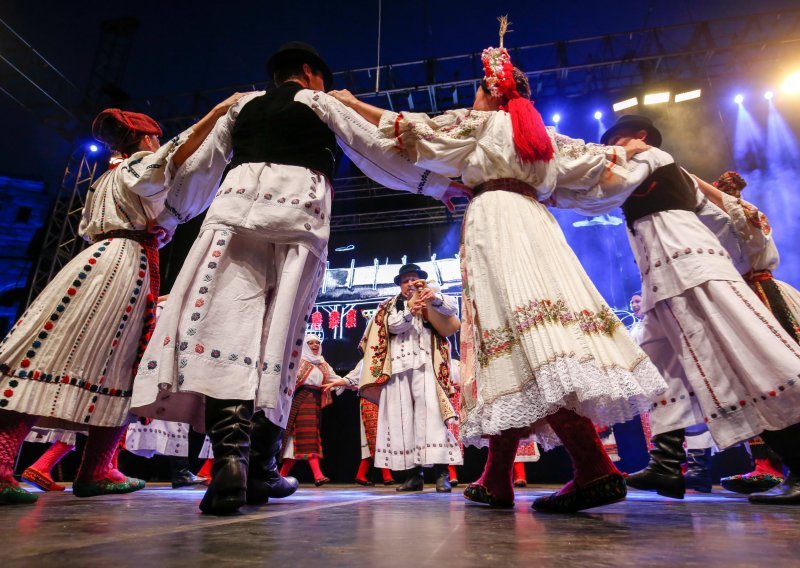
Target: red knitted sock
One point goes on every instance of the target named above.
(497, 471)
(315, 469)
(386, 473)
(98, 454)
(589, 459)
(286, 466)
(519, 472)
(205, 471)
(54, 454)
(363, 469)
(13, 429)
(453, 473)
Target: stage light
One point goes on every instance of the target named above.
(627, 103)
(687, 96)
(792, 83)
(768, 95)
(598, 115)
(656, 98)
(738, 99)
(556, 118)
(93, 147)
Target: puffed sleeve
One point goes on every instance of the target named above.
(442, 143)
(751, 225)
(594, 179)
(371, 152)
(193, 186)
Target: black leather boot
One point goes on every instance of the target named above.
(663, 474)
(228, 425)
(179, 471)
(414, 481)
(263, 477)
(698, 472)
(442, 478)
(785, 443)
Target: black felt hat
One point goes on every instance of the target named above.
(300, 52)
(634, 122)
(407, 269)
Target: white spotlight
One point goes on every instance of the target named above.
(738, 99)
(556, 118)
(656, 98)
(93, 147)
(627, 103)
(598, 115)
(768, 95)
(688, 95)
(792, 83)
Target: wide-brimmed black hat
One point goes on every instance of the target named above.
(299, 52)
(407, 269)
(634, 122)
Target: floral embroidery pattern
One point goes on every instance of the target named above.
(500, 341)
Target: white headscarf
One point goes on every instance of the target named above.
(307, 354)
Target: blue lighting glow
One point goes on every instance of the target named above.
(556, 118)
(93, 147)
(598, 115)
(738, 99)
(768, 95)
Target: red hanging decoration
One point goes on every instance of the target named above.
(316, 320)
(350, 319)
(333, 319)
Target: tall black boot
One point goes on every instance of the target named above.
(180, 473)
(228, 425)
(663, 474)
(414, 480)
(442, 473)
(263, 477)
(698, 471)
(785, 443)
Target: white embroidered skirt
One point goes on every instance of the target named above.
(739, 369)
(232, 328)
(51, 436)
(159, 437)
(70, 358)
(543, 336)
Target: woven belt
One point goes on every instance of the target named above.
(507, 184)
(758, 276)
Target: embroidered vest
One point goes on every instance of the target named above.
(273, 128)
(668, 187)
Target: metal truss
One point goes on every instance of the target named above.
(396, 218)
(61, 241)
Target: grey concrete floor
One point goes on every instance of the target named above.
(348, 526)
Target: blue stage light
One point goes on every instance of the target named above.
(768, 95)
(556, 118)
(598, 115)
(93, 147)
(738, 99)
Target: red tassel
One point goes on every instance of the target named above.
(530, 135)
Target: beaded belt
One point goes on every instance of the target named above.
(507, 184)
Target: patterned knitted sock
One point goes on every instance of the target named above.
(13, 429)
(589, 459)
(286, 466)
(315, 469)
(54, 454)
(363, 469)
(98, 454)
(386, 473)
(496, 475)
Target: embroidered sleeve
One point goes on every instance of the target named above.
(147, 174)
(442, 143)
(372, 153)
(445, 305)
(749, 223)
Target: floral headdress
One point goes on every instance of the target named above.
(530, 136)
(730, 183)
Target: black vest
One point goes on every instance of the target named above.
(273, 128)
(666, 188)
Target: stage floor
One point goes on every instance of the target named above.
(340, 525)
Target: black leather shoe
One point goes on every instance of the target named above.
(181, 476)
(414, 481)
(228, 425)
(698, 471)
(263, 477)
(787, 493)
(663, 474)
(443, 480)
